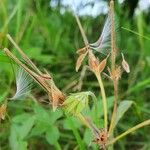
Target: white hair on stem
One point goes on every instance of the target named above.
(23, 84)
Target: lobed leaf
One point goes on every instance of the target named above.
(52, 135)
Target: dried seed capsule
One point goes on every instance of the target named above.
(80, 60)
(93, 62)
(82, 50)
(125, 65)
(102, 64)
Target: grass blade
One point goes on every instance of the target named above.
(145, 123)
(145, 37)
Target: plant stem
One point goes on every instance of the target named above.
(98, 76)
(24, 56)
(113, 118)
(113, 66)
(82, 30)
(77, 135)
(57, 146)
(113, 47)
(147, 122)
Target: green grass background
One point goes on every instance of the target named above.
(51, 39)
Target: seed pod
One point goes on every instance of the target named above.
(82, 50)
(3, 111)
(102, 64)
(80, 60)
(125, 65)
(93, 62)
(55, 96)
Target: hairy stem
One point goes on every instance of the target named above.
(147, 122)
(113, 65)
(113, 47)
(98, 76)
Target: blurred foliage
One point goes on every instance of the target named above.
(50, 38)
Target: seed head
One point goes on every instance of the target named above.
(115, 74)
(102, 138)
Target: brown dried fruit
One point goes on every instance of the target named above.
(102, 64)
(100, 136)
(80, 60)
(56, 96)
(82, 50)
(93, 62)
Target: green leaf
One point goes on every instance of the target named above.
(4, 58)
(23, 124)
(39, 129)
(67, 125)
(3, 96)
(21, 118)
(100, 106)
(42, 115)
(22, 145)
(55, 115)
(88, 136)
(76, 133)
(140, 85)
(33, 52)
(122, 108)
(52, 135)
(97, 110)
(46, 116)
(14, 141)
(26, 127)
